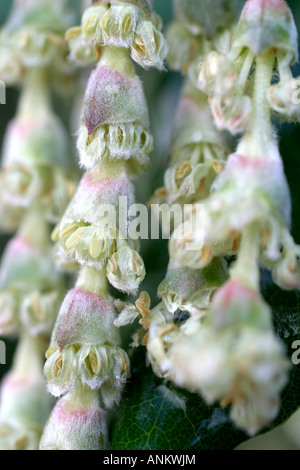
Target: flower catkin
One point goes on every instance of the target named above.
(85, 361)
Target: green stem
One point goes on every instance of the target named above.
(28, 358)
(246, 269)
(118, 59)
(259, 141)
(244, 73)
(93, 280)
(34, 229)
(35, 97)
(111, 169)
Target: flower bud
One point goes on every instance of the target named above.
(217, 75)
(85, 319)
(36, 49)
(117, 25)
(196, 156)
(36, 34)
(125, 24)
(236, 304)
(149, 48)
(76, 424)
(104, 366)
(191, 290)
(267, 26)
(190, 244)
(230, 210)
(22, 187)
(286, 273)
(31, 289)
(11, 68)
(126, 270)
(115, 121)
(95, 219)
(38, 311)
(91, 28)
(238, 338)
(81, 52)
(26, 267)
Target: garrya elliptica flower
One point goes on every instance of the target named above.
(35, 189)
(85, 361)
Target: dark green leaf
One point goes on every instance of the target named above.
(155, 415)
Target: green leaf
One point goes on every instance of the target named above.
(156, 415)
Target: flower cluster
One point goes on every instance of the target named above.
(130, 24)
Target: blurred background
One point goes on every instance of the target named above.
(162, 91)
